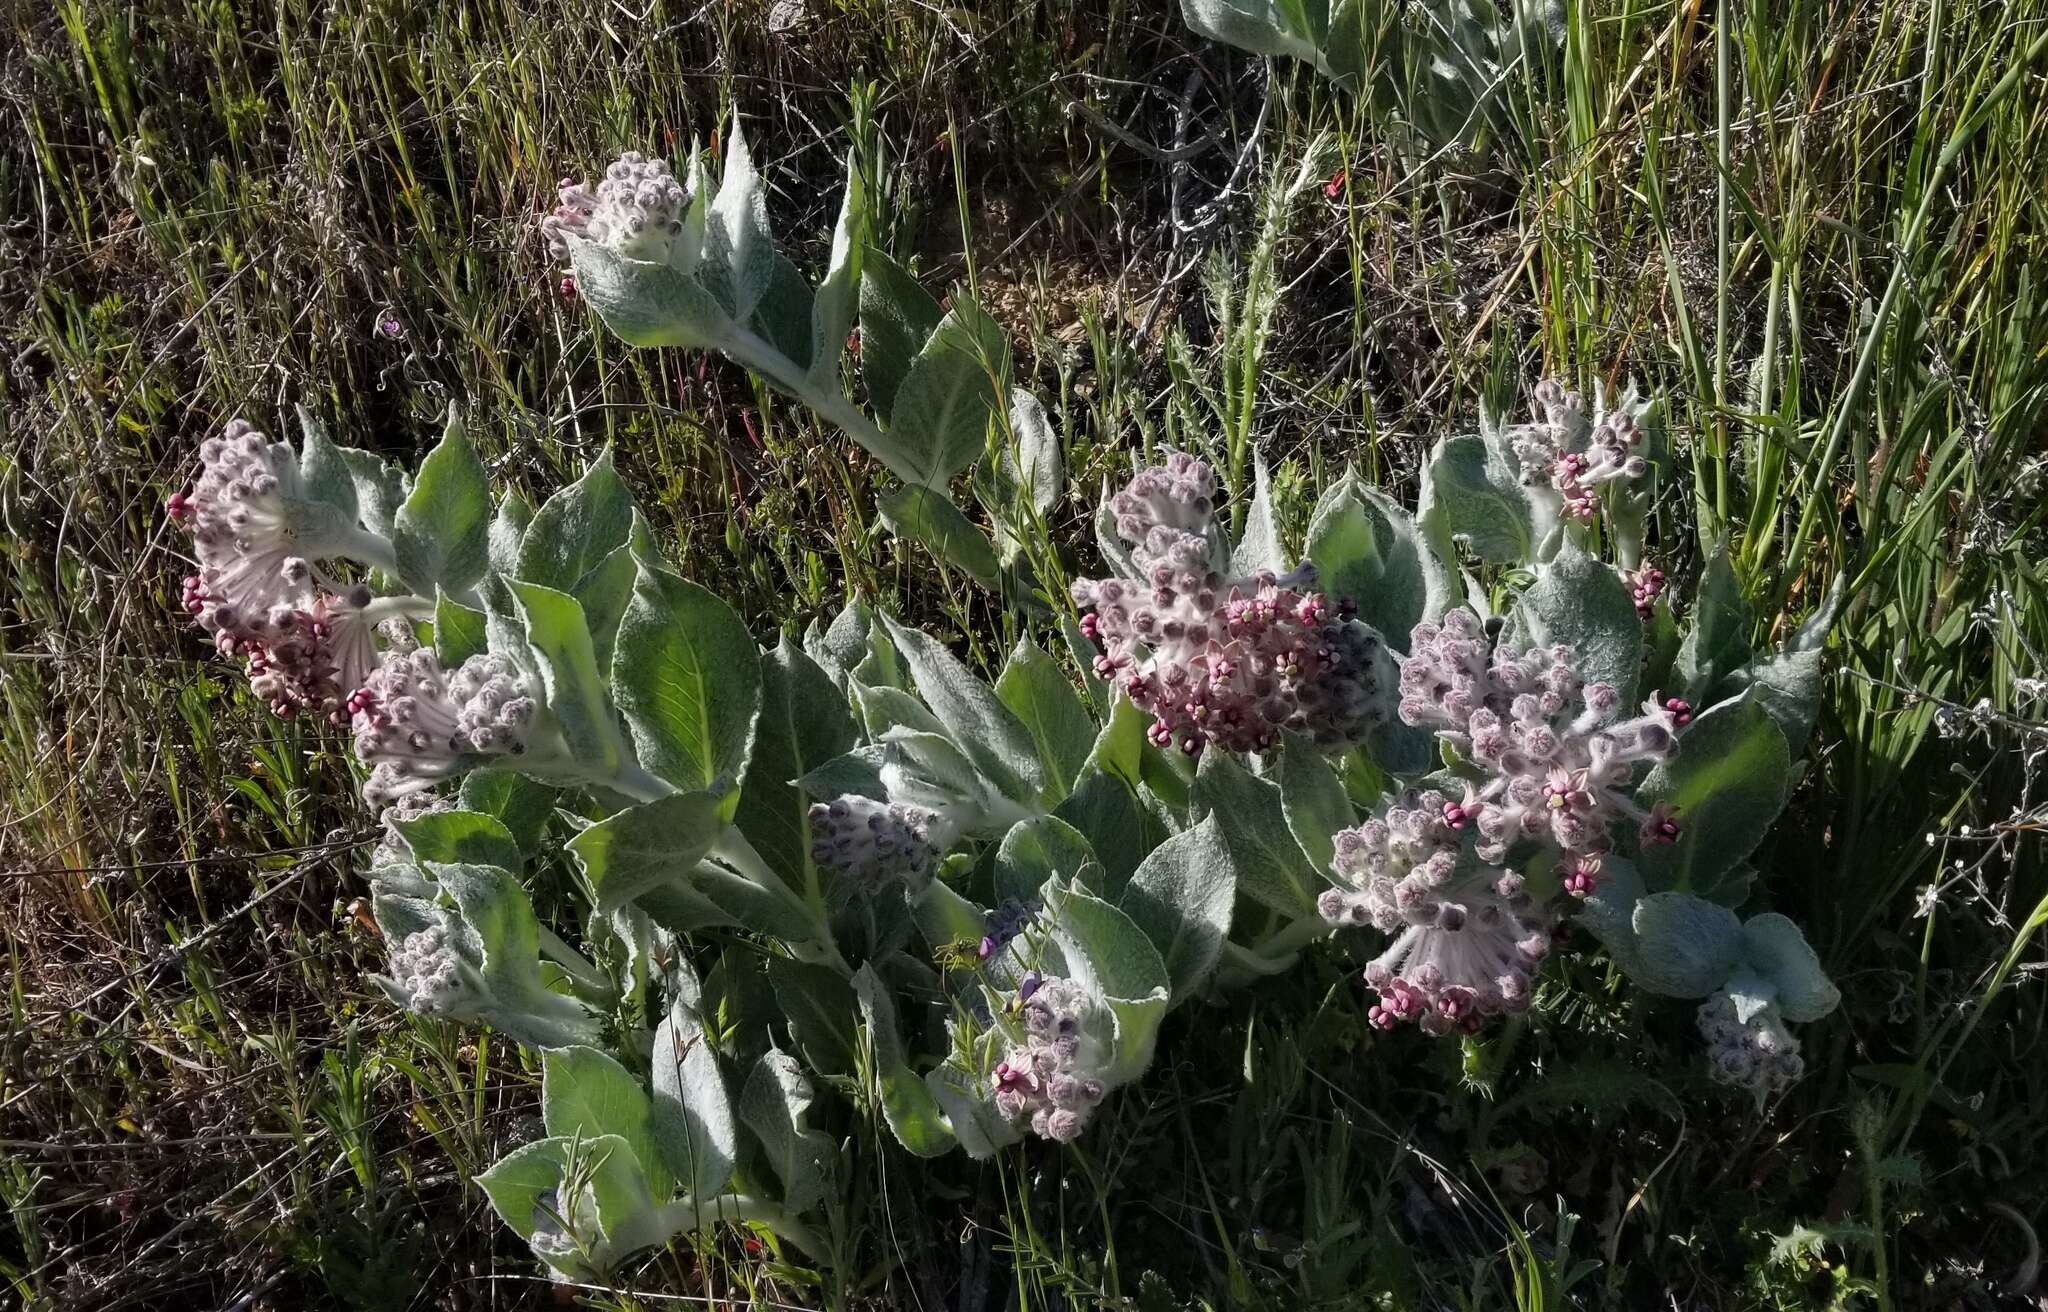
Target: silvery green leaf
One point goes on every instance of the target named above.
(1182, 897)
(1313, 799)
(1750, 993)
(885, 710)
(585, 1093)
(804, 724)
(819, 1006)
(381, 488)
(1038, 693)
(740, 248)
(508, 532)
(1686, 946)
(1366, 548)
(459, 631)
(1470, 493)
(461, 837)
(944, 916)
(857, 773)
(1084, 652)
(974, 716)
(1775, 949)
(646, 846)
(1718, 642)
(938, 422)
(1112, 958)
(1580, 602)
(907, 1105)
(1038, 468)
(442, 532)
(687, 677)
(897, 317)
(519, 802)
(1255, 25)
(692, 1115)
(971, 1112)
(1787, 684)
(782, 317)
(833, 309)
(324, 468)
(559, 642)
(1042, 848)
(577, 529)
(928, 515)
(1610, 912)
(1271, 868)
(1117, 825)
(1729, 781)
(1260, 546)
(604, 593)
(644, 303)
(843, 644)
(519, 1182)
(774, 1104)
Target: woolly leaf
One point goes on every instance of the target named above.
(1182, 896)
(442, 533)
(1686, 945)
(688, 680)
(585, 1093)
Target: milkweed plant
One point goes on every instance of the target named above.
(974, 903)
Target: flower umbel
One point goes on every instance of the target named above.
(1230, 662)
(310, 660)
(1759, 1054)
(637, 210)
(415, 724)
(1573, 455)
(432, 977)
(877, 843)
(1054, 1077)
(1559, 770)
(1468, 940)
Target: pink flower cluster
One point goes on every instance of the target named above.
(1575, 456)
(1468, 941)
(637, 210)
(415, 725)
(1233, 663)
(1053, 1078)
(1646, 583)
(1559, 771)
(259, 591)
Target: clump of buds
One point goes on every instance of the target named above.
(312, 659)
(1468, 939)
(1054, 1077)
(432, 977)
(1646, 583)
(876, 843)
(637, 211)
(246, 515)
(1233, 662)
(1758, 1054)
(1560, 771)
(1002, 924)
(1573, 455)
(415, 725)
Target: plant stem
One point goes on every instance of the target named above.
(749, 349)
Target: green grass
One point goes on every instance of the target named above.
(1817, 226)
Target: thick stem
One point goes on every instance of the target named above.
(400, 606)
(367, 548)
(747, 348)
(578, 967)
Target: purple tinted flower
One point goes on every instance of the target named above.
(1053, 1077)
(1233, 662)
(876, 843)
(637, 211)
(1471, 950)
(1559, 770)
(311, 660)
(241, 513)
(1759, 1054)
(1645, 584)
(1571, 455)
(416, 725)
